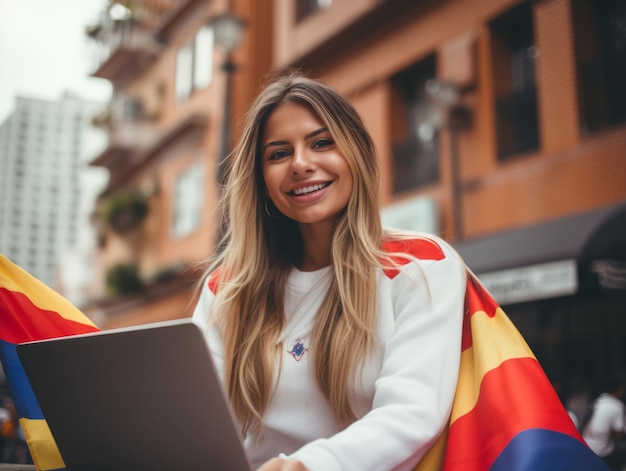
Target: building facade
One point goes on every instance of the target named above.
(47, 189)
(500, 126)
(172, 76)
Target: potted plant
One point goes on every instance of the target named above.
(122, 279)
(124, 210)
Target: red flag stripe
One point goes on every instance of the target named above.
(423, 249)
(15, 279)
(22, 321)
(496, 343)
(478, 437)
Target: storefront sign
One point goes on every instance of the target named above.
(611, 274)
(546, 280)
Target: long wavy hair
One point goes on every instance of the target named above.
(257, 253)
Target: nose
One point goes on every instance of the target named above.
(302, 162)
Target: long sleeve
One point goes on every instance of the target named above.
(201, 317)
(421, 322)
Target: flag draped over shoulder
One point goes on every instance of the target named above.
(30, 310)
(506, 415)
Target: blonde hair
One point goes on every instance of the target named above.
(257, 253)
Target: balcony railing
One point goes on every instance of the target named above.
(126, 51)
(133, 135)
(126, 45)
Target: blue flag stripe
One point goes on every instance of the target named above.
(23, 396)
(547, 450)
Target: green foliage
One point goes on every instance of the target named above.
(123, 279)
(124, 210)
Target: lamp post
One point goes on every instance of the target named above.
(228, 30)
(447, 113)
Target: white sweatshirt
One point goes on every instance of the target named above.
(406, 390)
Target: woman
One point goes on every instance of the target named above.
(338, 341)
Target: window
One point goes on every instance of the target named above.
(414, 140)
(194, 64)
(188, 199)
(305, 8)
(184, 72)
(203, 54)
(513, 58)
(600, 45)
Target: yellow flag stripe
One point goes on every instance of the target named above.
(43, 448)
(15, 279)
(433, 459)
(495, 340)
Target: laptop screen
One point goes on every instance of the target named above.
(138, 398)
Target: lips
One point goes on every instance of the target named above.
(306, 190)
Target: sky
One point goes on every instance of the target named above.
(44, 51)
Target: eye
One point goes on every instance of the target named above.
(323, 143)
(278, 154)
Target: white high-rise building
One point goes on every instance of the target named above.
(48, 190)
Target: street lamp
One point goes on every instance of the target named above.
(228, 30)
(445, 112)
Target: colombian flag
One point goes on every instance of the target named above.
(506, 416)
(29, 310)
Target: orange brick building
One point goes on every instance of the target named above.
(501, 125)
(166, 133)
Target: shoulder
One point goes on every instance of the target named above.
(418, 248)
(212, 281)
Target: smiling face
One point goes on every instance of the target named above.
(306, 175)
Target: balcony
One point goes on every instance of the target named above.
(126, 38)
(135, 142)
(131, 133)
(125, 51)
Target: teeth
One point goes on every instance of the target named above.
(309, 189)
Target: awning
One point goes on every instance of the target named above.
(552, 258)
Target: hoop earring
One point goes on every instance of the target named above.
(269, 214)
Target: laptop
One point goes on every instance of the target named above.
(139, 398)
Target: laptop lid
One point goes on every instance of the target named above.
(138, 398)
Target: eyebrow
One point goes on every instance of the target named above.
(306, 137)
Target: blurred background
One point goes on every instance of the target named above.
(501, 126)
